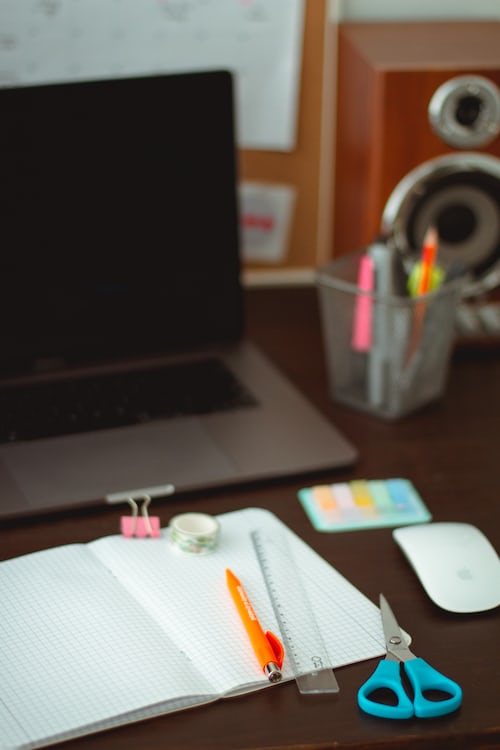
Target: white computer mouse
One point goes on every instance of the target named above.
(456, 564)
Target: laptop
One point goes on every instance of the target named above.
(124, 367)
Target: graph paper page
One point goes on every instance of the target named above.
(76, 649)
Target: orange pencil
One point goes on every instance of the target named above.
(429, 252)
(424, 280)
(267, 647)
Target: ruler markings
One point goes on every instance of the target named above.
(302, 638)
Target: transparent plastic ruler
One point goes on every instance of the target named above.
(302, 639)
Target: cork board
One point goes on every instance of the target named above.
(302, 168)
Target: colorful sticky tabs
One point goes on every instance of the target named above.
(362, 504)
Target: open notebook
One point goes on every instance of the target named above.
(87, 622)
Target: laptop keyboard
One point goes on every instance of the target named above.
(118, 399)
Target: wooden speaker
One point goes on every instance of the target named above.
(419, 100)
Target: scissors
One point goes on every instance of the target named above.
(423, 679)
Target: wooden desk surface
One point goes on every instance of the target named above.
(450, 451)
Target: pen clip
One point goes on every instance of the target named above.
(277, 647)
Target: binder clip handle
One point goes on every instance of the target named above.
(140, 526)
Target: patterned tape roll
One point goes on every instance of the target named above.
(195, 533)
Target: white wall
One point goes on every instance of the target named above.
(377, 10)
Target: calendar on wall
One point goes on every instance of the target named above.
(45, 41)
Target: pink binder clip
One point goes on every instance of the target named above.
(140, 526)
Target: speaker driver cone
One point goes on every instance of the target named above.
(459, 194)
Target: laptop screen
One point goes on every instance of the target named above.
(119, 218)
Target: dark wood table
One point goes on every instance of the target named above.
(450, 451)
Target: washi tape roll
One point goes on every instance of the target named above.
(194, 533)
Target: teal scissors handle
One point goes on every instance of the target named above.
(422, 677)
(385, 677)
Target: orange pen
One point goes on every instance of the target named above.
(267, 647)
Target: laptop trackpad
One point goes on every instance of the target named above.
(64, 471)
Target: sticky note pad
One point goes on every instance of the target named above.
(363, 504)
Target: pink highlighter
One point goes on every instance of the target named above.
(362, 323)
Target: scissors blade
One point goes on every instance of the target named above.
(395, 641)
